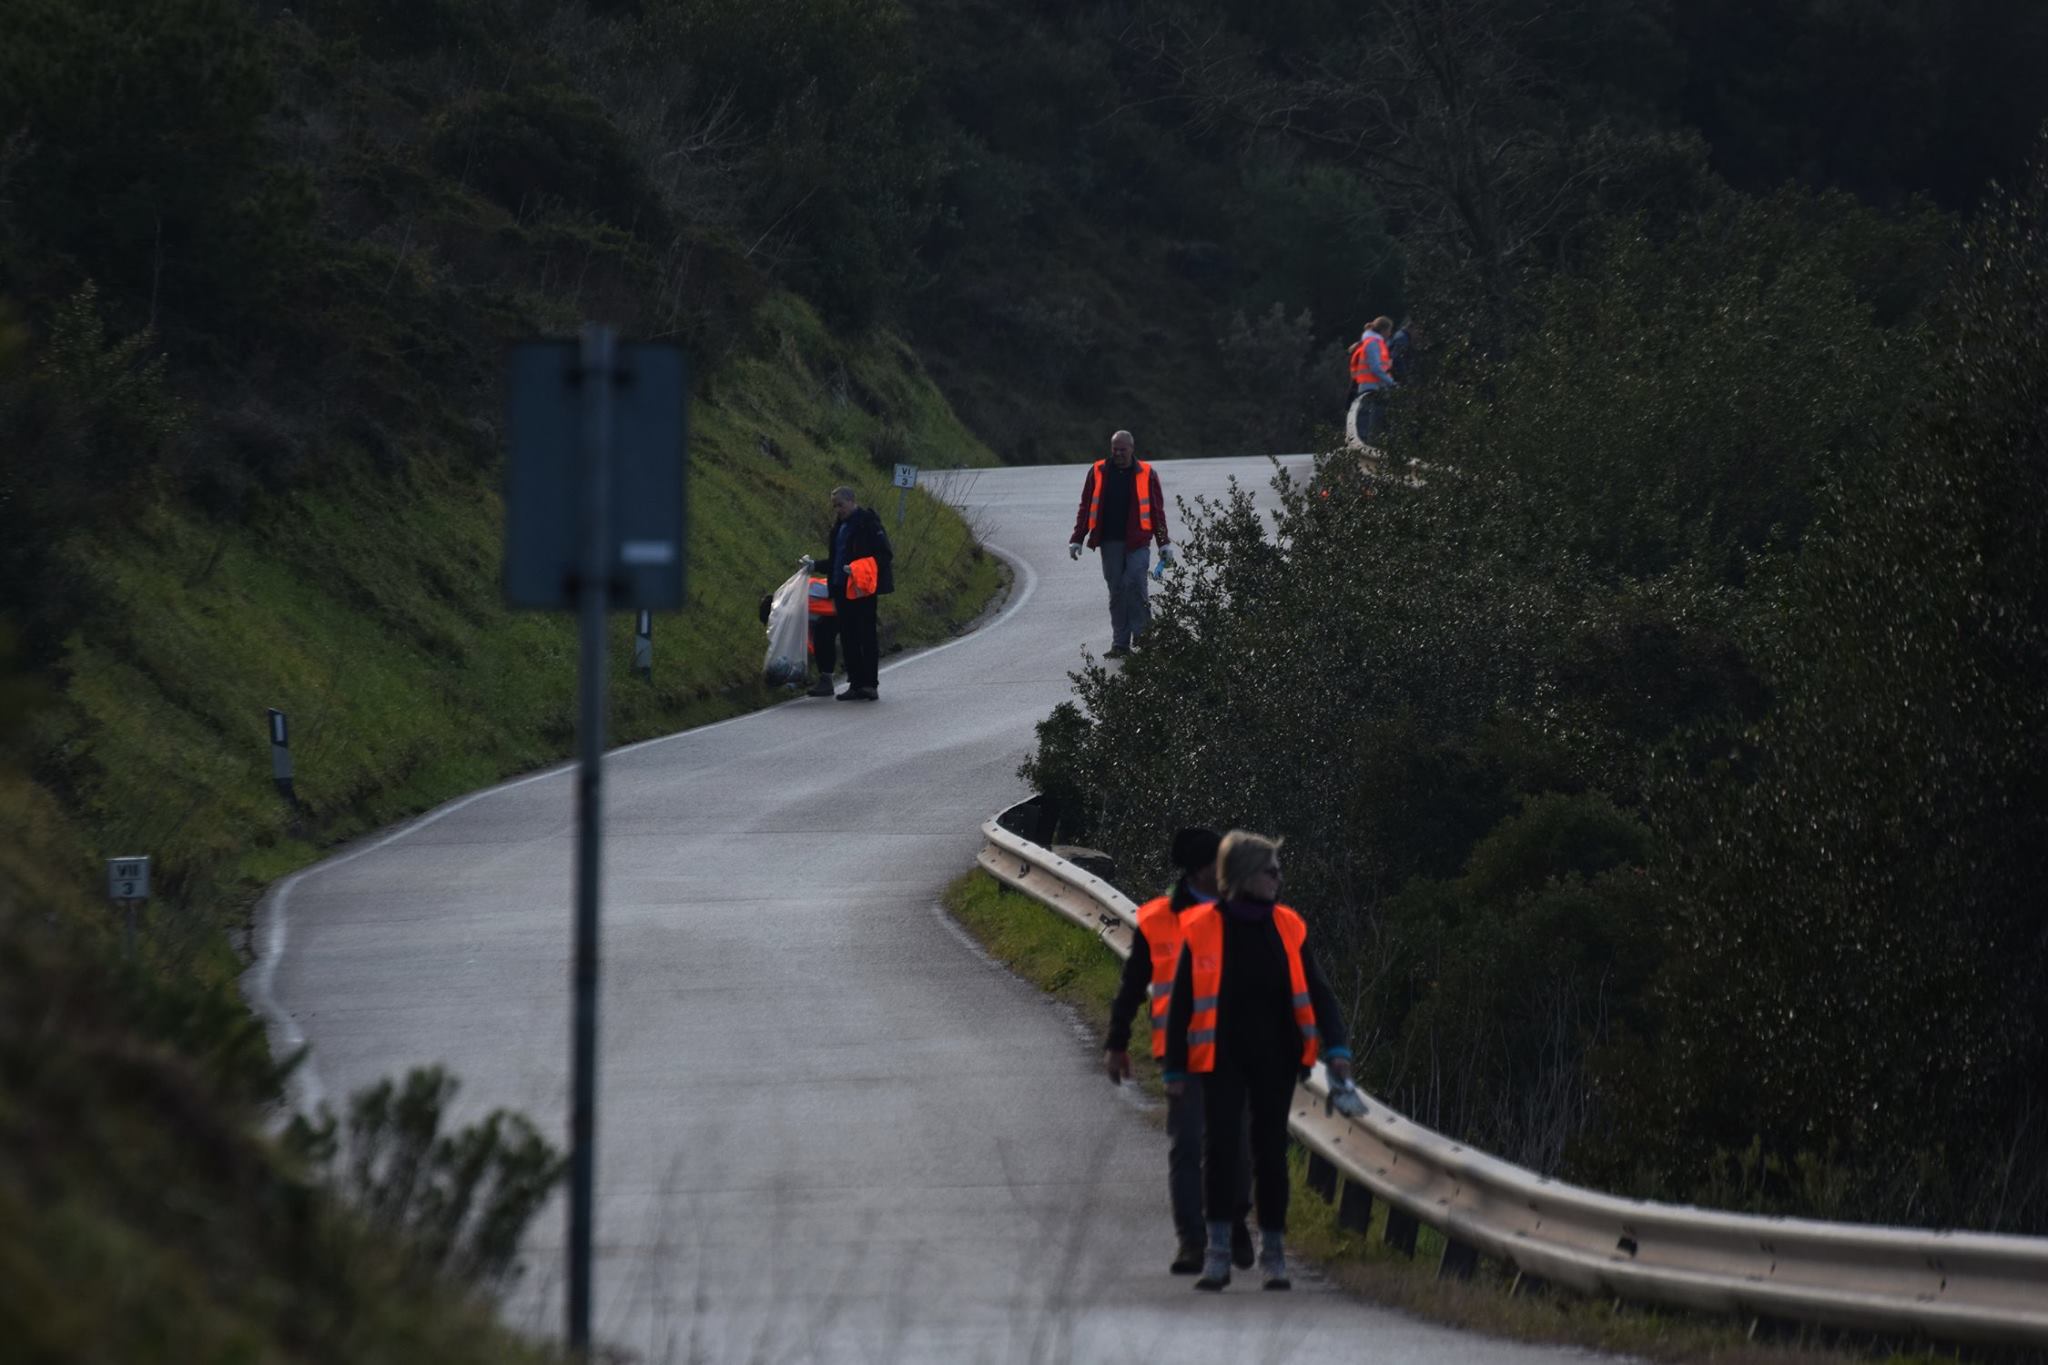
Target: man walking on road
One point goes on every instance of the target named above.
(862, 569)
(1148, 974)
(1123, 511)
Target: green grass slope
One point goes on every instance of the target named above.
(367, 609)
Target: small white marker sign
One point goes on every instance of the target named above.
(128, 879)
(906, 476)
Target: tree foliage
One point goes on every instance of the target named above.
(1864, 942)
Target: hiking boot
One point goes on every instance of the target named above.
(1215, 1269)
(1187, 1260)
(1116, 652)
(821, 688)
(1273, 1263)
(1242, 1254)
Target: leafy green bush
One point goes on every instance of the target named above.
(1491, 989)
(546, 145)
(461, 1201)
(1863, 934)
(83, 418)
(1682, 402)
(144, 154)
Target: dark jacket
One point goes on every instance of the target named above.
(1136, 985)
(1255, 1007)
(865, 537)
(1121, 486)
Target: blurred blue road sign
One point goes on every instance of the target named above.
(545, 428)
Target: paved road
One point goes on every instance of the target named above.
(829, 1129)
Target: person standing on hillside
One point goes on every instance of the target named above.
(1123, 511)
(1148, 974)
(1372, 378)
(1249, 1015)
(862, 569)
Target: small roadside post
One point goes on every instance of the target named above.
(906, 479)
(281, 755)
(128, 887)
(594, 522)
(643, 645)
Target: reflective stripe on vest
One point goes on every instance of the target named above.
(821, 597)
(862, 577)
(1361, 373)
(1202, 927)
(1143, 491)
(1161, 928)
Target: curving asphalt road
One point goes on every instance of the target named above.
(829, 1129)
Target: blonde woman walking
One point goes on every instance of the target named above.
(1249, 1015)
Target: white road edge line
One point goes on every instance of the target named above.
(304, 1091)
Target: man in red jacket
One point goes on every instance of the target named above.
(1123, 511)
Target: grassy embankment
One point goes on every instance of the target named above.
(1071, 964)
(142, 1217)
(368, 611)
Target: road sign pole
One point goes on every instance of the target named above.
(596, 490)
(593, 589)
(905, 479)
(128, 887)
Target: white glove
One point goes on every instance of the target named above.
(1074, 550)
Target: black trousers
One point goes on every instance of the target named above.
(825, 644)
(856, 618)
(1185, 1132)
(1268, 1091)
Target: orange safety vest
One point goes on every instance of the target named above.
(1361, 373)
(1144, 491)
(1203, 930)
(821, 596)
(863, 576)
(1161, 928)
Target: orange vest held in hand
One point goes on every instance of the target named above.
(863, 576)
(1202, 927)
(1143, 491)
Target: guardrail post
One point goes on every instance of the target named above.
(643, 645)
(1354, 1209)
(1400, 1231)
(1459, 1260)
(1322, 1176)
(281, 756)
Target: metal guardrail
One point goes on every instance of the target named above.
(1949, 1285)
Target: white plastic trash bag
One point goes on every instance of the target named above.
(789, 630)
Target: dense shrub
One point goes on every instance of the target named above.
(543, 146)
(140, 155)
(1864, 945)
